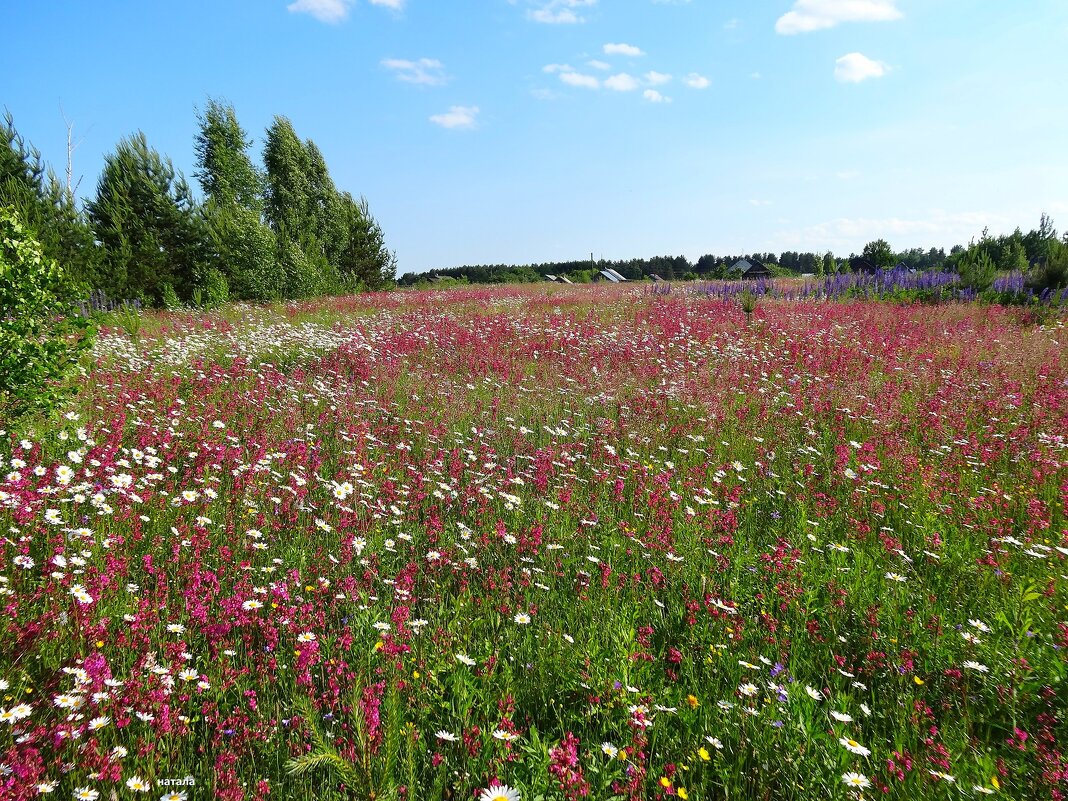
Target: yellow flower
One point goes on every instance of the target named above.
(378, 646)
(415, 674)
(703, 753)
(682, 793)
(994, 781)
(692, 701)
(918, 680)
(99, 643)
(665, 782)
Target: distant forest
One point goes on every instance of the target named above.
(1011, 252)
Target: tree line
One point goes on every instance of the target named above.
(258, 232)
(1034, 251)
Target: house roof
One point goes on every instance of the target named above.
(611, 276)
(613, 272)
(745, 266)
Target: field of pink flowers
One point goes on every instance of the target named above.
(544, 544)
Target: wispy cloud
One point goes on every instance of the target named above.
(558, 12)
(396, 5)
(424, 71)
(580, 80)
(599, 65)
(622, 50)
(457, 117)
(815, 15)
(654, 78)
(857, 67)
(697, 81)
(654, 96)
(330, 11)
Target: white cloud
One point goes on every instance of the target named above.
(578, 79)
(396, 5)
(697, 81)
(856, 67)
(332, 11)
(731, 24)
(599, 65)
(425, 71)
(654, 96)
(621, 82)
(551, 68)
(654, 78)
(815, 15)
(457, 117)
(622, 50)
(558, 12)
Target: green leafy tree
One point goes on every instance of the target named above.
(151, 228)
(326, 216)
(1038, 241)
(41, 338)
(287, 190)
(243, 248)
(224, 169)
(1053, 273)
(880, 254)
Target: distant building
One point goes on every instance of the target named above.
(609, 275)
(656, 278)
(749, 268)
(859, 264)
(550, 277)
(565, 280)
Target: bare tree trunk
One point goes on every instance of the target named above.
(71, 147)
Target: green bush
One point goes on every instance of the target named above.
(41, 337)
(168, 297)
(216, 289)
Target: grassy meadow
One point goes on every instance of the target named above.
(544, 543)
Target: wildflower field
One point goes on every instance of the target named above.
(525, 543)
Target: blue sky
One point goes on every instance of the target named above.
(488, 131)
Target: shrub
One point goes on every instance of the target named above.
(41, 337)
(216, 289)
(168, 297)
